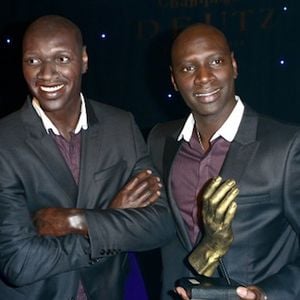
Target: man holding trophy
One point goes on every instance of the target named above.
(233, 181)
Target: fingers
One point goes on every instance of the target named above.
(137, 179)
(244, 293)
(219, 200)
(182, 293)
(148, 186)
(251, 293)
(211, 188)
(216, 191)
(140, 191)
(228, 217)
(225, 200)
(227, 206)
(218, 212)
(147, 196)
(146, 189)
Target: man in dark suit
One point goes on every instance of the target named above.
(68, 165)
(223, 136)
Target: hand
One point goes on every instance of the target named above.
(218, 210)
(182, 293)
(56, 221)
(142, 190)
(251, 293)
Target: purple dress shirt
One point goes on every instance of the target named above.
(192, 168)
(70, 150)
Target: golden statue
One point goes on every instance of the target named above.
(218, 210)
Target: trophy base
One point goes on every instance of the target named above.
(208, 288)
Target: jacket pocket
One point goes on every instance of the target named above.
(253, 199)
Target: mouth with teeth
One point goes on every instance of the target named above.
(207, 94)
(51, 89)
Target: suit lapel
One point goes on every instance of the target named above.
(91, 142)
(170, 151)
(49, 155)
(242, 148)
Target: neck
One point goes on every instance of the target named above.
(65, 120)
(65, 124)
(203, 142)
(208, 125)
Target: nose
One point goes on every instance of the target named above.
(203, 75)
(47, 70)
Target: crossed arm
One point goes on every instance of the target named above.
(141, 191)
(218, 211)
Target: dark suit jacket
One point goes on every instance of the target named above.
(264, 159)
(33, 175)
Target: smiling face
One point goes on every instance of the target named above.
(54, 60)
(203, 70)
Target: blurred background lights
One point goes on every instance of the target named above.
(103, 35)
(170, 95)
(7, 40)
(282, 62)
(285, 8)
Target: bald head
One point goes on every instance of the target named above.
(51, 24)
(199, 31)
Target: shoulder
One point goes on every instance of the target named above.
(11, 123)
(270, 126)
(170, 128)
(107, 115)
(111, 120)
(13, 134)
(273, 135)
(103, 109)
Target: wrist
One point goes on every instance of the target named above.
(204, 259)
(77, 221)
(215, 247)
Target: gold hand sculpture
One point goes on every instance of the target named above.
(218, 210)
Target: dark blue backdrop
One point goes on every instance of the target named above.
(129, 68)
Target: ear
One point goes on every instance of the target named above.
(85, 60)
(234, 66)
(173, 79)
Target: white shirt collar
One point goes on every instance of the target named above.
(228, 130)
(81, 124)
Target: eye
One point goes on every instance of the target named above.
(188, 69)
(63, 59)
(217, 61)
(32, 61)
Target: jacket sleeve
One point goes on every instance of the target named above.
(114, 230)
(26, 257)
(284, 284)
